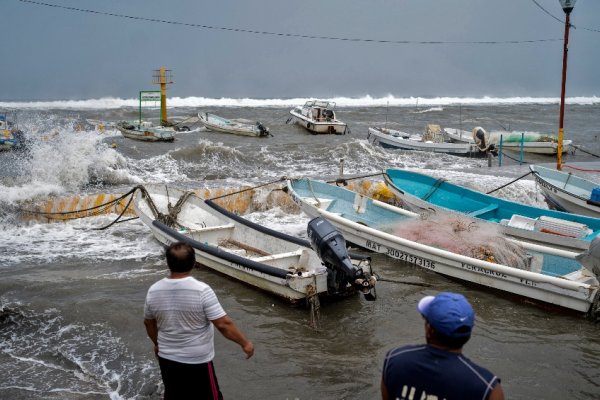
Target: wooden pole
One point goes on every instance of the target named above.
(559, 148)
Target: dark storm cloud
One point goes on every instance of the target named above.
(54, 53)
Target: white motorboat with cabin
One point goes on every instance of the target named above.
(318, 116)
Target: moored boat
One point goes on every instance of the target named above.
(145, 131)
(525, 222)
(530, 142)
(394, 139)
(318, 116)
(458, 135)
(272, 261)
(542, 273)
(11, 137)
(565, 191)
(215, 123)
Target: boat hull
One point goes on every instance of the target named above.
(532, 142)
(218, 124)
(567, 192)
(577, 293)
(378, 137)
(155, 134)
(319, 127)
(285, 268)
(545, 148)
(521, 221)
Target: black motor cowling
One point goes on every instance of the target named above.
(264, 131)
(330, 246)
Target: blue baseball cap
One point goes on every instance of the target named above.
(448, 313)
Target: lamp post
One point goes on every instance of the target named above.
(567, 6)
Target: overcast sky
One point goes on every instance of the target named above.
(51, 53)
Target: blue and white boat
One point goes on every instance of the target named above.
(567, 192)
(542, 273)
(10, 135)
(525, 222)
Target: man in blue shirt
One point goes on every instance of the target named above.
(438, 370)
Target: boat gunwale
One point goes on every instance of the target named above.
(518, 273)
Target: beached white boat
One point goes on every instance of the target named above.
(537, 272)
(394, 139)
(553, 228)
(146, 131)
(531, 142)
(318, 116)
(215, 123)
(275, 262)
(567, 192)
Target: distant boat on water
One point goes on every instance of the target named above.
(318, 116)
(532, 142)
(432, 141)
(145, 131)
(216, 123)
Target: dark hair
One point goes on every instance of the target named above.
(450, 342)
(180, 257)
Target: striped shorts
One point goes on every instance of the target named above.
(189, 381)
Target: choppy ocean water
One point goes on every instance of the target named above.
(71, 297)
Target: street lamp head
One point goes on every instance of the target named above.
(567, 5)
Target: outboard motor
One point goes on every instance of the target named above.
(479, 137)
(590, 258)
(330, 246)
(264, 131)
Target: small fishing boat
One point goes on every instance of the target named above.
(146, 131)
(219, 124)
(318, 116)
(457, 249)
(567, 192)
(11, 137)
(525, 222)
(272, 261)
(531, 142)
(394, 139)
(458, 135)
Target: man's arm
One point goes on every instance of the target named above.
(497, 393)
(152, 331)
(384, 392)
(227, 327)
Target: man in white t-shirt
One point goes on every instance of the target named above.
(179, 315)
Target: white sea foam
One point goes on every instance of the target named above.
(364, 101)
(77, 239)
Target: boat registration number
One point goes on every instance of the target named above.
(411, 258)
(545, 185)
